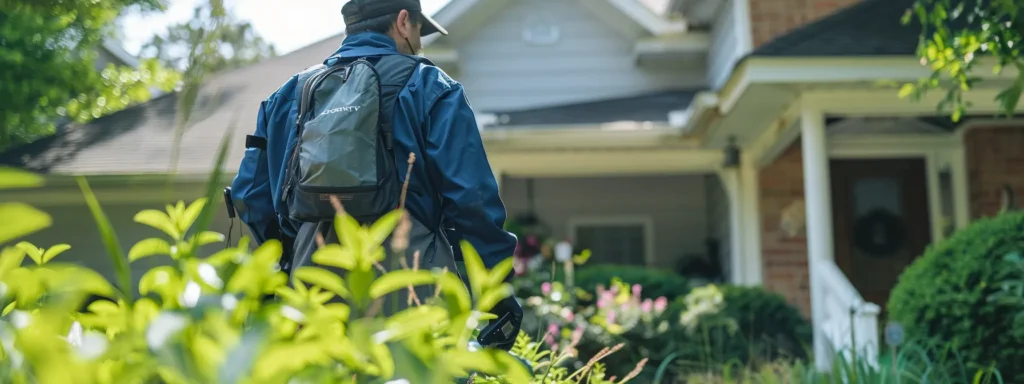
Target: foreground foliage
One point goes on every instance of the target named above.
(209, 320)
(955, 34)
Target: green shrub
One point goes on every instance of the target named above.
(655, 282)
(747, 325)
(208, 320)
(943, 298)
(770, 327)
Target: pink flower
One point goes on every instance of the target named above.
(606, 299)
(567, 314)
(553, 329)
(610, 317)
(545, 288)
(636, 290)
(646, 306)
(660, 304)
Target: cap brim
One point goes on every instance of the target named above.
(431, 26)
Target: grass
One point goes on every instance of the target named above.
(914, 365)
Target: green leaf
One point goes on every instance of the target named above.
(582, 258)
(18, 220)
(455, 291)
(474, 268)
(906, 90)
(54, 251)
(209, 237)
(10, 259)
(334, 255)
(415, 320)
(190, 214)
(323, 279)
(165, 280)
(35, 253)
(149, 247)
(383, 227)
(347, 229)
(11, 178)
(500, 272)
(494, 295)
(159, 220)
(393, 281)
(124, 273)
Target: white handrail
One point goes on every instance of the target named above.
(848, 322)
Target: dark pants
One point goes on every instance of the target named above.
(433, 246)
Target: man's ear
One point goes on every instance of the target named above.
(402, 23)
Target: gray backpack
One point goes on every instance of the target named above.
(344, 141)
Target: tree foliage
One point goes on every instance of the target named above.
(234, 42)
(49, 51)
(954, 35)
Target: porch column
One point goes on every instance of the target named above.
(730, 179)
(961, 192)
(818, 210)
(750, 194)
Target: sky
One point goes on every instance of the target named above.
(289, 25)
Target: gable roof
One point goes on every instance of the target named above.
(635, 10)
(139, 140)
(866, 28)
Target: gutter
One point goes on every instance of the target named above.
(690, 120)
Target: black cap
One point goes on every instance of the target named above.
(359, 10)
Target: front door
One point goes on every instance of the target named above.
(881, 218)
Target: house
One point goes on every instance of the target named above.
(641, 130)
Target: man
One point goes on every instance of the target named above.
(451, 184)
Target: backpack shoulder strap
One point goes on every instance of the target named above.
(303, 84)
(395, 71)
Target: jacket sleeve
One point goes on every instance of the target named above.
(250, 190)
(458, 164)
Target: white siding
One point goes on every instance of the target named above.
(591, 60)
(677, 205)
(726, 46)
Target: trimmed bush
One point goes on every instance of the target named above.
(944, 297)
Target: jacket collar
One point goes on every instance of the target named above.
(364, 44)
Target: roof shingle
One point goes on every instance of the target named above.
(867, 28)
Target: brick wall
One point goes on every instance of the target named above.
(995, 157)
(784, 257)
(772, 18)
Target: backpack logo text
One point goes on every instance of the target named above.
(349, 108)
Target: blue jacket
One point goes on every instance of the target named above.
(452, 182)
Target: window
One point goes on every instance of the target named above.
(614, 240)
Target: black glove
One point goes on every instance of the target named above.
(502, 332)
